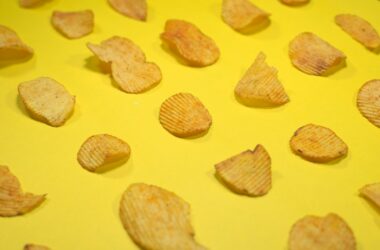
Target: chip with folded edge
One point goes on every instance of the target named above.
(136, 9)
(73, 24)
(372, 193)
(35, 247)
(295, 2)
(11, 46)
(368, 101)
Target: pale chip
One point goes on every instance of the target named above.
(47, 100)
(11, 46)
(368, 101)
(100, 150)
(13, 201)
(157, 219)
(314, 56)
(372, 193)
(136, 9)
(35, 247)
(31, 3)
(247, 173)
(73, 24)
(359, 29)
(317, 144)
(184, 115)
(260, 85)
(294, 2)
(190, 43)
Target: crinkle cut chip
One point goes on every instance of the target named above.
(368, 101)
(295, 2)
(73, 24)
(11, 46)
(35, 247)
(31, 3)
(136, 9)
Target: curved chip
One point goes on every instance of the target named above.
(318, 233)
(73, 24)
(295, 2)
(314, 56)
(100, 150)
(372, 193)
(260, 85)
(157, 219)
(13, 201)
(47, 100)
(190, 43)
(31, 3)
(136, 9)
(184, 115)
(359, 29)
(318, 144)
(368, 101)
(35, 247)
(247, 173)
(11, 46)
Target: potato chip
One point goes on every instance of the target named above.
(184, 115)
(13, 201)
(359, 29)
(294, 2)
(99, 150)
(314, 56)
(260, 85)
(368, 101)
(157, 219)
(35, 247)
(47, 100)
(372, 193)
(247, 173)
(136, 9)
(319, 233)
(242, 14)
(190, 43)
(31, 3)
(73, 24)
(11, 46)
(318, 144)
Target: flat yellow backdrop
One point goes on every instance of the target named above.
(81, 210)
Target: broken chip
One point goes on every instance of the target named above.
(294, 2)
(136, 9)
(372, 193)
(260, 85)
(317, 144)
(47, 100)
(190, 43)
(157, 219)
(30, 3)
(35, 247)
(368, 101)
(317, 233)
(100, 150)
(13, 201)
(359, 29)
(314, 56)
(11, 46)
(247, 173)
(73, 24)
(184, 115)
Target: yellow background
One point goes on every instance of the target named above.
(81, 210)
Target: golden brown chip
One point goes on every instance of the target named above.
(136, 9)
(321, 233)
(368, 101)
(372, 193)
(73, 24)
(157, 219)
(11, 46)
(359, 29)
(100, 150)
(46, 100)
(318, 144)
(184, 115)
(31, 3)
(294, 2)
(242, 14)
(247, 173)
(35, 247)
(260, 85)
(13, 201)
(314, 56)
(190, 43)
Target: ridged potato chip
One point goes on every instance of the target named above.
(73, 24)
(368, 101)
(99, 150)
(13, 201)
(294, 2)
(47, 100)
(260, 85)
(321, 233)
(11, 46)
(314, 56)
(359, 29)
(184, 115)
(190, 43)
(247, 173)
(35, 247)
(157, 219)
(136, 9)
(317, 144)
(372, 193)
(31, 3)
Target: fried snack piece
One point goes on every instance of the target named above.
(35, 247)
(11, 46)
(359, 29)
(100, 150)
(260, 85)
(157, 219)
(368, 101)
(372, 193)
(47, 100)
(314, 56)
(242, 14)
(294, 2)
(319, 233)
(30, 3)
(73, 24)
(190, 43)
(247, 173)
(136, 9)
(13, 201)
(184, 115)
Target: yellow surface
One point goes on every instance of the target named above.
(81, 210)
